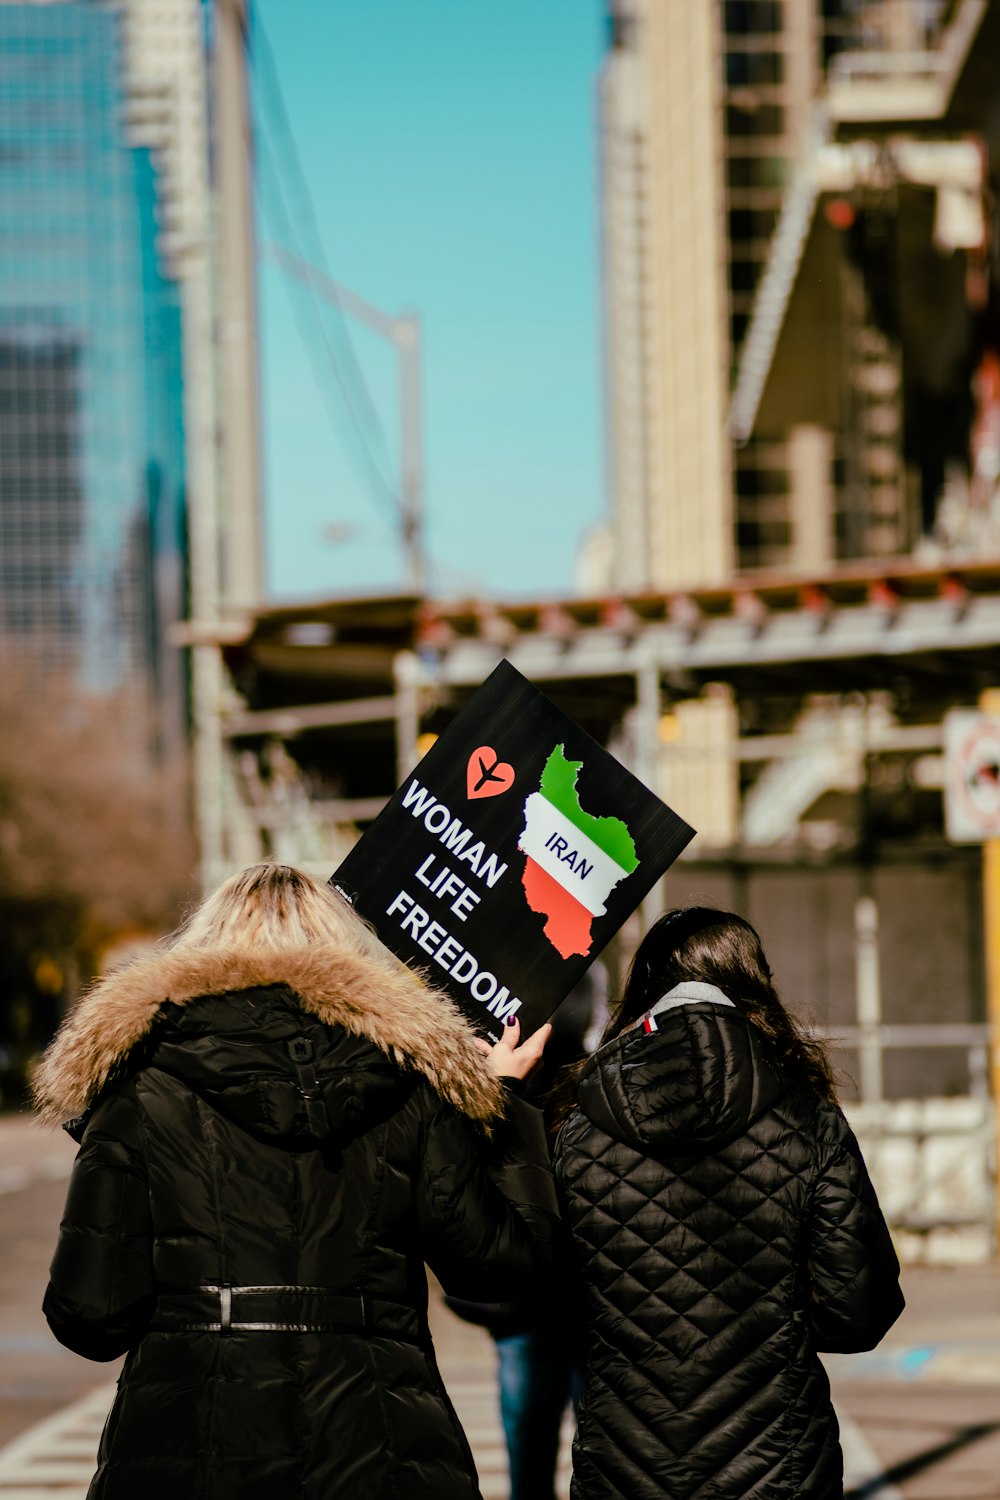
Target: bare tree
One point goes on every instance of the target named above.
(96, 844)
(86, 820)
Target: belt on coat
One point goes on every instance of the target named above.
(218, 1308)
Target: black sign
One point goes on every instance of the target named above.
(511, 855)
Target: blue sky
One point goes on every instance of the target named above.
(452, 155)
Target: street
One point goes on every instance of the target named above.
(927, 1401)
(920, 1415)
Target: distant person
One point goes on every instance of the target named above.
(725, 1230)
(280, 1123)
(539, 1349)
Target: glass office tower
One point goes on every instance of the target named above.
(91, 424)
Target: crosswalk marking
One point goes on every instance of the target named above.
(55, 1459)
(862, 1469)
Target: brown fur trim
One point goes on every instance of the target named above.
(418, 1027)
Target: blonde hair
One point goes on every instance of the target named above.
(279, 908)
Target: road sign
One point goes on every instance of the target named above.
(972, 776)
(511, 855)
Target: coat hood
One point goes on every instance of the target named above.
(297, 1043)
(694, 1084)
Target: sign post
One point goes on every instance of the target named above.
(990, 702)
(972, 815)
(510, 855)
(972, 772)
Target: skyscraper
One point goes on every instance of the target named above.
(92, 452)
(41, 494)
(129, 486)
(797, 291)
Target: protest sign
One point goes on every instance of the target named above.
(511, 855)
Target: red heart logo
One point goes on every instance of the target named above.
(486, 774)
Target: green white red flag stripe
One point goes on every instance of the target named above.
(559, 847)
(558, 786)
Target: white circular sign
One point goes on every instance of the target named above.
(973, 778)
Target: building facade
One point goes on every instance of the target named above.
(129, 483)
(800, 313)
(666, 347)
(92, 444)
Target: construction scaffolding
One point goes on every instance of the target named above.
(796, 721)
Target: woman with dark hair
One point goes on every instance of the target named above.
(725, 1230)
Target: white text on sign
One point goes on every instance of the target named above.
(456, 960)
(444, 883)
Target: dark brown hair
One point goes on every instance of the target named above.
(721, 949)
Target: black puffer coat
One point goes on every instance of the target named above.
(726, 1230)
(275, 1149)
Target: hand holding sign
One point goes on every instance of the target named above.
(512, 855)
(509, 1057)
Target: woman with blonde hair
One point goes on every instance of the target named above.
(279, 1124)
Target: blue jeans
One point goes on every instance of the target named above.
(537, 1384)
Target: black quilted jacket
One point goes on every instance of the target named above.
(727, 1231)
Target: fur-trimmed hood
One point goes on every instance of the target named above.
(418, 1028)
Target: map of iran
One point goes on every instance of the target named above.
(573, 859)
